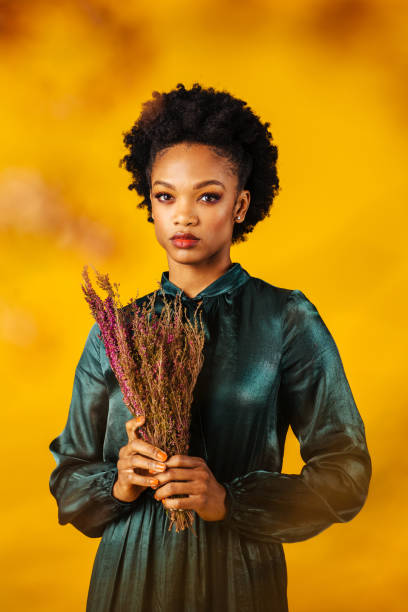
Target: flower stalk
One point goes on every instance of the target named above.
(156, 353)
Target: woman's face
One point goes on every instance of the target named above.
(193, 191)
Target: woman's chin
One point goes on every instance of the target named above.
(186, 255)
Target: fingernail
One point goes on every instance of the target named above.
(154, 482)
(162, 456)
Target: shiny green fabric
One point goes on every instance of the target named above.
(270, 362)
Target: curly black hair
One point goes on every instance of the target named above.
(214, 118)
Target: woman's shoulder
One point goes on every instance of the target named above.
(292, 306)
(299, 319)
(283, 296)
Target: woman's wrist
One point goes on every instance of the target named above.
(126, 496)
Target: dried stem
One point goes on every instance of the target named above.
(156, 358)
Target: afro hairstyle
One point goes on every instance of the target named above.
(217, 119)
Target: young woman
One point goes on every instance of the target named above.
(205, 166)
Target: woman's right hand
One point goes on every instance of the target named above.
(136, 459)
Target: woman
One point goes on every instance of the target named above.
(206, 168)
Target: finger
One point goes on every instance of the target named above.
(144, 448)
(185, 461)
(182, 503)
(132, 426)
(180, 488)
(131, 477)
(141, 462)
(182, 474)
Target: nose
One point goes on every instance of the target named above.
(184, 213)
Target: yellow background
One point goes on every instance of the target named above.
(331, 77)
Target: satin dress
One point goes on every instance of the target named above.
(270, 362)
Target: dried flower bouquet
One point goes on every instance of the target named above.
(156, 359)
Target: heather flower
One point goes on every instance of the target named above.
(156, 358)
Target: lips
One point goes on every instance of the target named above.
(184, 240)
(184, 236)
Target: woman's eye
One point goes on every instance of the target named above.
(216, 196)
(162, 197)
(159, 196)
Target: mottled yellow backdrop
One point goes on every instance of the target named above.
(331, 77)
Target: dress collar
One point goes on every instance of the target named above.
(233, 278)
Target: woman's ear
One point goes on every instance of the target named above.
(241, 205)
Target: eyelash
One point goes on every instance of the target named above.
(214, 195)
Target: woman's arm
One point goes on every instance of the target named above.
(82, 482)
(315, 395)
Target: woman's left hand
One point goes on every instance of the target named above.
(191, 476)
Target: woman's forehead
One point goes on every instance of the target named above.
(197, 160)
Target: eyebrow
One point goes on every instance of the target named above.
(196, 186)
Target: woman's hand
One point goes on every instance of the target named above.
(192, 476)
(136, 459)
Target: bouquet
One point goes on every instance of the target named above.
(156, 359)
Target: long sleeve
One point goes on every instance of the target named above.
(317, 401)
(82, 482)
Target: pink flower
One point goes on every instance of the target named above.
(156, 359)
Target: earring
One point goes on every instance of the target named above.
(238, 217)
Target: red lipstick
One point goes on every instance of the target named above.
(184, 240)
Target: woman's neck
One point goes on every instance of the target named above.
(193, 278)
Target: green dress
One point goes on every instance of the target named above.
(269, 362)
